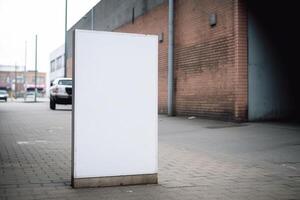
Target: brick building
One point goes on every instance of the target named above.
(15, 81)
(232, 59)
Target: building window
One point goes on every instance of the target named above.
(52, 66)
(20, 79)
(40, 80)
(59, 62)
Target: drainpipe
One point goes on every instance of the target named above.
(92, 19)
(170, 59)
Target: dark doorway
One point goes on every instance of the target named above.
(273, 43)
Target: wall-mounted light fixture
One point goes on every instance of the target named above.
(213, 19)
(161, 37)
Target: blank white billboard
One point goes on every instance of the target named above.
(115, 104)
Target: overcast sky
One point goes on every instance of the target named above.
(20, 20)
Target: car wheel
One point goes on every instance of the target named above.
(5, 99)
(52, 105)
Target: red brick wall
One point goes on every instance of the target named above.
(69, 67)
(241, 60)
(155, 22)
(204, 59)
(210, 62)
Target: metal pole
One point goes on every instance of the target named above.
(170, 59)
(24, 77)
(66, 31)
(15, 81)
(35, 71)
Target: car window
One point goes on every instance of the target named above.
(65, 82)
(3, 92)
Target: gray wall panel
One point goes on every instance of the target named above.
(271, 62)
(111, 14)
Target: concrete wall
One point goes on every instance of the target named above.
(273, 74)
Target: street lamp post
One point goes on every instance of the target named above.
(66, 22)
(35, 71)
(15, 81)
(24, 77)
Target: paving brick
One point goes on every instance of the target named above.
(195, 162)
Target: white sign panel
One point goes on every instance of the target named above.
(115, 104)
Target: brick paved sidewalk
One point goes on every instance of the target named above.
(198, 159)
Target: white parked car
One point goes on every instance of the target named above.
(3, 95)
(60, 92)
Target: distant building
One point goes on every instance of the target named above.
(57, 68)
(16, 81)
